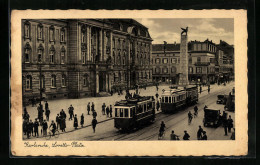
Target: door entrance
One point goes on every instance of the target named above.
(102, 81)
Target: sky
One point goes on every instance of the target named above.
(200, 29)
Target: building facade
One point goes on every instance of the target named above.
(201, 65)
(83, 57)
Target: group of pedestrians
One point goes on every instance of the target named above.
(107, 110)
(228, 125)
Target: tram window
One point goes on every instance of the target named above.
(131, 112)
(166, 99)
(140, 109)
(149, 106)
(162, 99)
(170, 99)
(145, 107)
(134, 112)
(121, 112)
(173, 100)
(126, 112)
(116, 115)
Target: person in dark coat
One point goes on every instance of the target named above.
(208, 89)
(94, 124)
(31, 127)
(157, 105)
(58, 121)
(107, 111)
(199, 133)
(82, 120)
(174, 136)
(186, 136)
(200, 89)
(63, 124)
(88, 108)
(233, 135)
(35, 127)
(24, 127)
(92, 107)
(44, 127)
(46, 105)
(53, 127)
(75, 122)
(103, 108)
(229, 123)
(71, 112)
(204, 137)
(28, 129)
(94, 114)
(47, 113)
(110, 110)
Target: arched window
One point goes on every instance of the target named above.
(40, 32)
(173, 69)
(52, 53)
(27, 53)
(119, 76)
(62, 35)
(40, 53)
(53, 81)
(28, 82)
(63, 80)
(62, 55)
(52, 34)
(83, 54)
(86, 80)
(27, 29)
(42, 82)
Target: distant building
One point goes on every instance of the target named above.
(83, 57)
(203, 62)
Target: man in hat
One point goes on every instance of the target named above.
(186, 136)
(199, 133)
(36, 126)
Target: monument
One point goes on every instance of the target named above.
(183, 76)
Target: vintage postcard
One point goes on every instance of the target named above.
(129, 83)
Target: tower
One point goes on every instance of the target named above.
(183, 78)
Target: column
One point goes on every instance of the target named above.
(97, 82)
(88, 44)
(104, 46)
(106, 80)
(100, 46)
(90, 55)
(111, 49)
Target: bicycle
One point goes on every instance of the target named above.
(189, 120)
(50, 134)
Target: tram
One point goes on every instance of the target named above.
(176, 99)
(134, 112)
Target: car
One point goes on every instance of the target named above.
(212, 117)
(222, 99)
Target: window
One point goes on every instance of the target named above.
(157, 61)
(27, 51)
(83, 37)
(53, 81)
(116, 114)
(212, 60)
(157, 70)
(28, 83)
(145, 107)
(165, 60)
(42, 82)
(190, 60)
(173, 69)
(83, 54)
(121, 112)
(190, 70)
(119, 76)
(27, 29)
(62, 35)
(198, 70)
(40, 51)
(166, 99)
(62, 54)
(173, 60)
(165, 70)
(63, 81)
(40, 32)
(163, 99)
(178, 60)
(198, 59)
(52, 56)
(52, 35)
(126, 112)
(85, 80)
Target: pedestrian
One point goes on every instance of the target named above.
(94, 124)
(40, 113)
(44, 127)
(63, 114)
(75, 122)
(82, 120)
(225, 124)
(174, 136)
(157, 105)
(24, 127)
(92, 107)
(28, 129)
(233, 135)
(94, 114)
(53, 127)
(156, 95)
(88, 108)
(107, 111)
(31, 128)
(71, 112)
(35, 127)
(229, 123)
(58, 121)
(103, 108)
(195, 111)
(189, 117)
(186, 136)
(47, 113)
(208, 89)
(200, 89)
(110, 110)
(46, 105)
(63, 122)
(204, 137)
(199, 133)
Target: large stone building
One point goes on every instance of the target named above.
(83, 57)
(203, 62)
